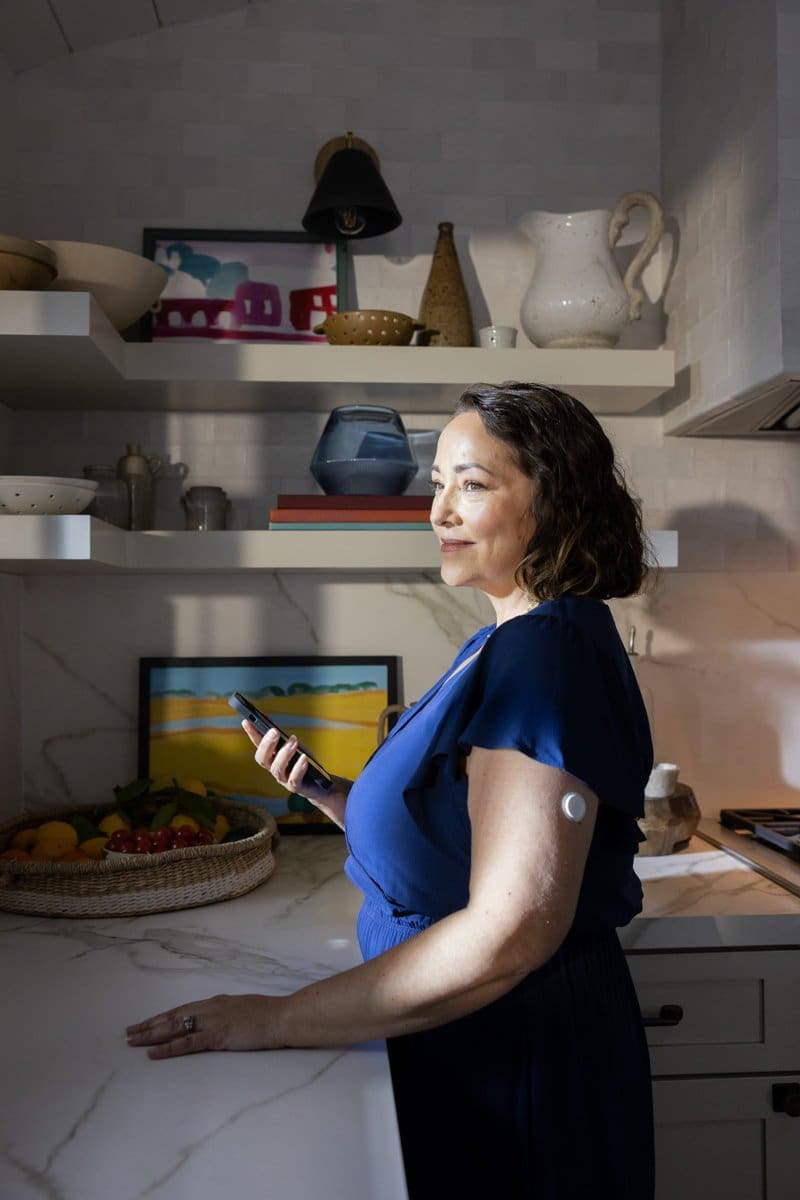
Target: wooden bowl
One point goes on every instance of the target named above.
(25, 265)
(369, 327)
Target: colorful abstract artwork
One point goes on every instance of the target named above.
(187, 729)
(235, 286)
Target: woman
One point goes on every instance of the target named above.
(493, 836)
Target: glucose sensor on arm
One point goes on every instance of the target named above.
(573, 806)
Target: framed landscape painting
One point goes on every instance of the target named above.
(228, 285)
(332, 704)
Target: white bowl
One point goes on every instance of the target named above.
(25, 265)
(44, 494)
(125, 285)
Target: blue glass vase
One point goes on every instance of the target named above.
(363, 450)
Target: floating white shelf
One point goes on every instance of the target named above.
(79, 544)
(59, 351)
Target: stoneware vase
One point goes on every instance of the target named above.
(576, 297)
(445, 310)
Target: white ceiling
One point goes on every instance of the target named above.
(33, 32)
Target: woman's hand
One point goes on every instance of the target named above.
(219, 1023)
(278, 760)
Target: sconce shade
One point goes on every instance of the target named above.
(351, 200)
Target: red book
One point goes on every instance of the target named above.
(320, 502)
(348, 515)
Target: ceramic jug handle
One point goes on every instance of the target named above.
(619, 219)
(383, 719)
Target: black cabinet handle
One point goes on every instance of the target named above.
(668, 1014)
(786, 1098)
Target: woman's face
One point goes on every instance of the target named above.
(482, 509)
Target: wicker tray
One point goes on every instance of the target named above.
(133, 884)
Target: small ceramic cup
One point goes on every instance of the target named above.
(662, 781)
(498, 337)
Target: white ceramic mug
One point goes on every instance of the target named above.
(662, 782)
(498, 337)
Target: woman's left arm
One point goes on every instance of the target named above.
(527, 865)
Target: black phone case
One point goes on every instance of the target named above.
(315, 772)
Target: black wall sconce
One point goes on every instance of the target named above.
(351, 200)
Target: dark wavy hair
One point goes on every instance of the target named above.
(589, 539)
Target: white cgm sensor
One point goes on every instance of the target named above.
(573, 806)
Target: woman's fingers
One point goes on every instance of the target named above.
(284, 761)
(252, 732)
(171, 1034)
(218, 1023)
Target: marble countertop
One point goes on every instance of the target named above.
(703, 897)
(86, 1117)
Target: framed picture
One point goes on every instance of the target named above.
(229, 285)
(187, 729)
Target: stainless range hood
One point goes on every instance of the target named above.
(772, 410)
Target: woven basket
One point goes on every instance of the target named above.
(132, 884)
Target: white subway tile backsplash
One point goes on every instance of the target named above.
(696, 492)
(765, 495)
(674, 459)
(562, 55)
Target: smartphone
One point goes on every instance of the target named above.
(314, 772)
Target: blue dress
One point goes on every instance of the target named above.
(545, 1092)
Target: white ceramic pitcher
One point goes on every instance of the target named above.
(576, 297)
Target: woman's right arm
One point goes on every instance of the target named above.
(278, 762)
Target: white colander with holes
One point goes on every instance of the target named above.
(37, 495)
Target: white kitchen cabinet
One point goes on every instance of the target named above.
(59, 351)
(730, 1036)
(721, 1138)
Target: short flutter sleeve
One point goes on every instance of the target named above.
(557, 685)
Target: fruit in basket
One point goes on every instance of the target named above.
(53, 840)
(113, 822)
(183, 807)
(145, 841)
(93, 847)
(14, 855)
(57, 832)
(23, 839)
(181, 819)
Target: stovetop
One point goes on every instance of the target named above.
(763, 856)
(779, 827)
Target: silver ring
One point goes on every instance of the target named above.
(188, 1024)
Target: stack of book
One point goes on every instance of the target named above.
(351, 512)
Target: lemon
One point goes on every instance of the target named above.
(23, 839)
(57, 831)
(93, 847)
(113, 822)
(182, 819)
(192, 785)
(221, 826)
(48, 849)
